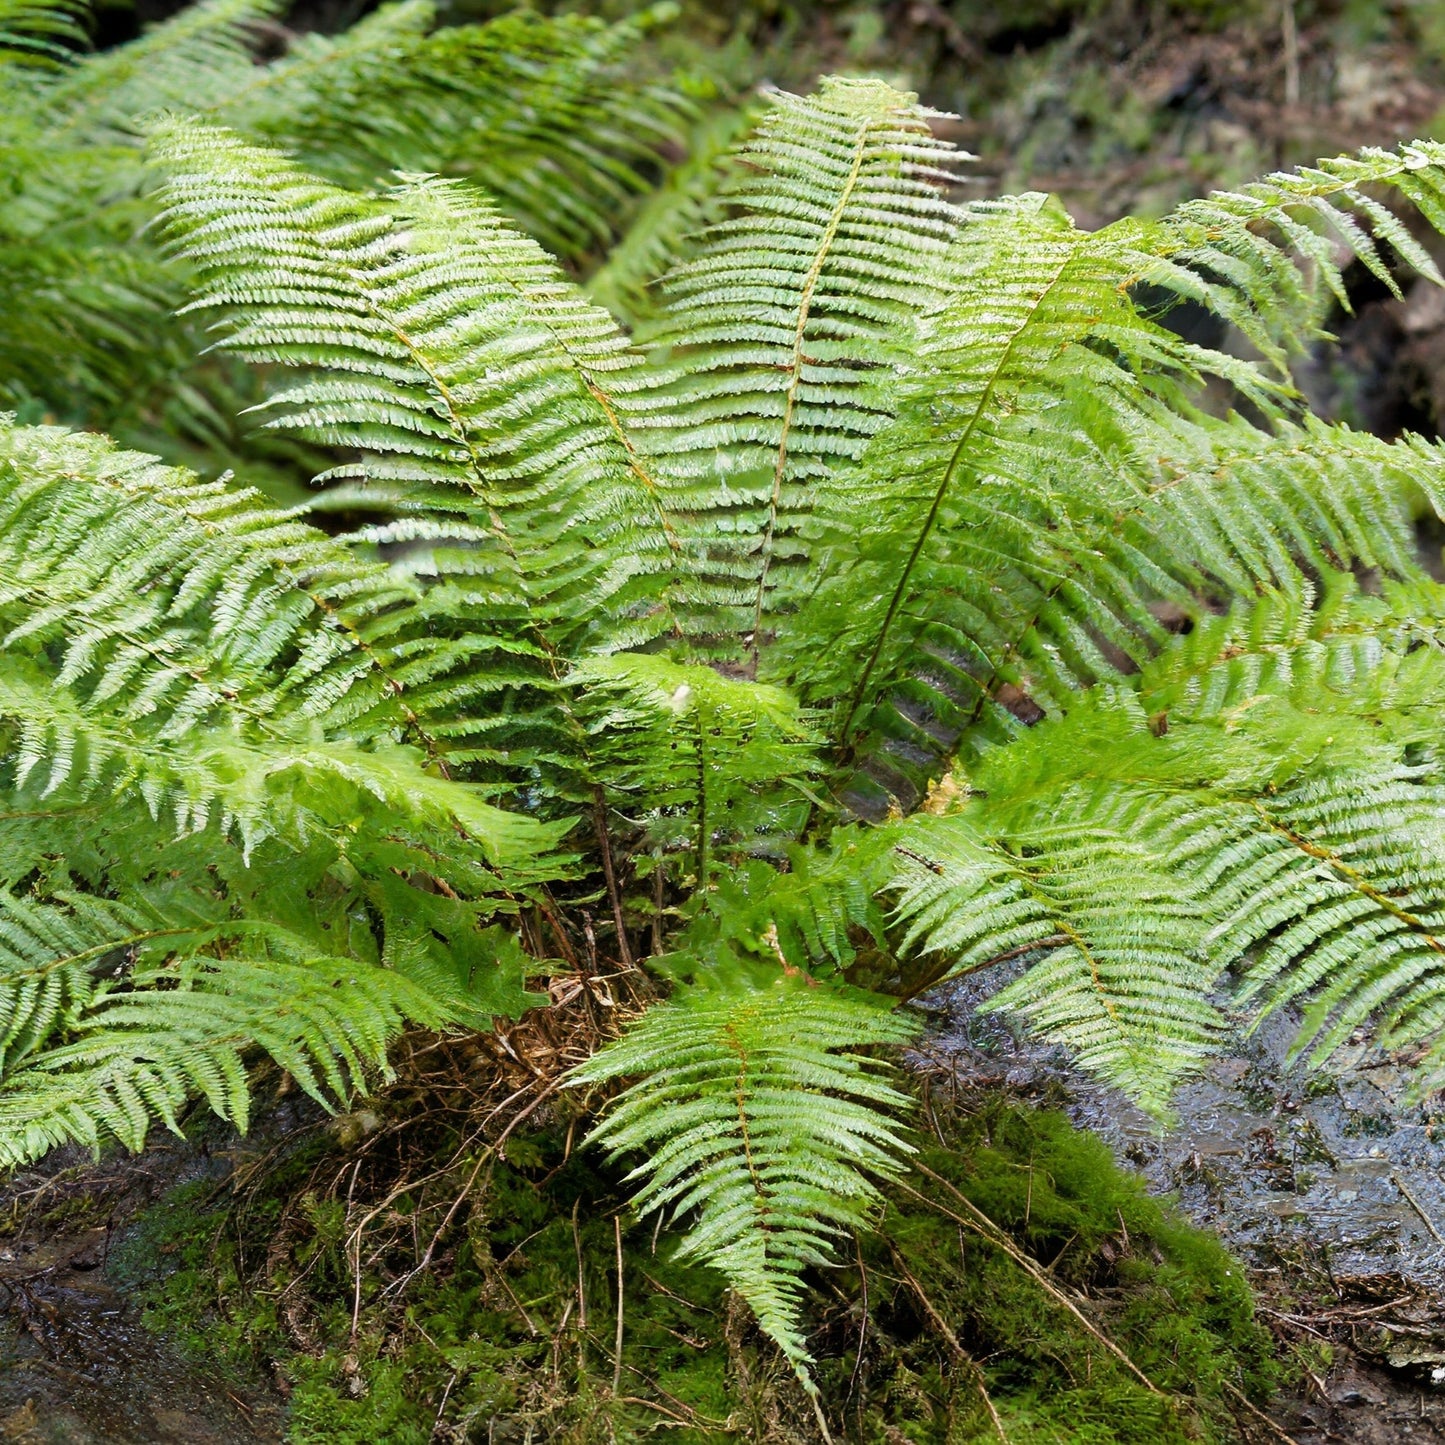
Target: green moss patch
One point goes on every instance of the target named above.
(938, 1329)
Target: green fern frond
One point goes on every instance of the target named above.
(756, 1112)
(383, 914)
(556, 115)
(136, 1057)
(1219, 250)
(433, 329)
(548, 114)
(39, 35)
(786, 326)
(207, 44)
(1046, 408)
(1117, 979)
(1268, 799)
(187, 642)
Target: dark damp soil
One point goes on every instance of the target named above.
(1329, 1185)
(78, 1366)
(77, 1363)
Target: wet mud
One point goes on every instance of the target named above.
(77, 1365)
(1329, 1185)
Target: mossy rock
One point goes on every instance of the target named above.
(504, 1337)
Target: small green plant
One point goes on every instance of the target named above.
(892, 606)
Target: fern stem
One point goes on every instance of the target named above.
(111, 945)
(634, 457)
(609, 872)
(659, 885)
(745, 1134)
(1354, 878)
(702, 820)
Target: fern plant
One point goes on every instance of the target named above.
(899, 601)
(555, 116)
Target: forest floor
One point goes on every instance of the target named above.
(1328, 1188)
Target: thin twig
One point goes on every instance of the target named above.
(862, 1324)
(955, 1348)
(1260, 1416)
(1415, 1205)
(995, 1236)
(617, 1346)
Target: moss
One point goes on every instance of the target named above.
(1171, 1296)
(503, 1331)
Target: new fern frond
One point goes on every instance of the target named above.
(785, 328)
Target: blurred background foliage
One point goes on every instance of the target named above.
(1117, 106)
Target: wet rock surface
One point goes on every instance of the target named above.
(1330, 1185)
(78, 1366)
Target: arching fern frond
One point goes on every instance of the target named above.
(432, 330)
(1047, 407)
(1267, 257)
(756, 1111)
(1040, 396)
(1267, 799)
(1116, 980)
(551, 115)
(188, 640)
(140, 1056)
(786, 325)
(284, 863)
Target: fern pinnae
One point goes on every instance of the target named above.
(433, 282)
(1215, 249)
(720, 1108)
(783, 327)
(795, 374)
(41, 36)
(1020, 318)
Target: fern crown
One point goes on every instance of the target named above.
(896, 600)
